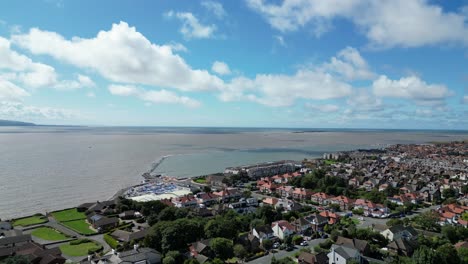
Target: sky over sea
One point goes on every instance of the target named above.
(253, 63)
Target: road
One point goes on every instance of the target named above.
(283, 253)
(369, 221)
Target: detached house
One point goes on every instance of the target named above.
(321, 198)
(282, 229)
(301, 194)
(263, 232)
(344, 202)
(400, 231)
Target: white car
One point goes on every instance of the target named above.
(361, 218)
(304, 243)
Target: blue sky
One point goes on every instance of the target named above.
(251, 63)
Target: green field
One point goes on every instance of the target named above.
(48, 233)
(80, 249)
(80, 226)
(329, 162)
(68, 215)
(32, 220)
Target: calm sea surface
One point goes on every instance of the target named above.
(49, 168)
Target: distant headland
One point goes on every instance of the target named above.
(15, 123)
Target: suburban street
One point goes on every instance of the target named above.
(283, 253)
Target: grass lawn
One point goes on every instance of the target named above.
(32, 220)
(200, 180)
(48, 233)
(356, 221)
(68, 215)
(79, 226)
(78, 250)
(330, 162)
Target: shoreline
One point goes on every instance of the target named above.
(174, 179)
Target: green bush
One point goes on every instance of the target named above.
(91, 251)
(79, 241)
(111, 241)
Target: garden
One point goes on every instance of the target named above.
(80, 247)
(48, 233)
(31, 220)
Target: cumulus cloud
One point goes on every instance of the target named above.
(215, 8)
(220, 68)
(82, 81)
(9, 91)
(350, 64)
(162, 96)
(375, 19)
(283, 90)
(31, 74)
(132, 58)
(411, 87)
(175, 46)
(363, 101)
(191, 27)
(17, 110)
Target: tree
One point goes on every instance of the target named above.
(297, 239)
(169, 260)
(424, 255)
(172, 213)
(450, 193)
(191, 261)
(447, 254)
(428, 221)
(221, 227)
(267, 244)
(463, 255)
(394, 222)
(18, 259)
(247, 194)
(256, 223)
(450, 232)
(268, 214)
(178, 258)
(222, 247)
(207, 189)
(239, 251)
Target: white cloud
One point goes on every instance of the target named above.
(280, 40)
(325, 108)
(132, 58)
(9, 91)
(162, 96)
(20, 111)
(411, 87)
(191, 27)
(283, 90)
(419, 22)
(220, 68)
(175, 46)
(363, 101)
(90, 94)
(215, 8)
(465, 99)
(123, 90)
(30, 73)
(350, 64)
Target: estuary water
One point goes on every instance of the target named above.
(49, 168)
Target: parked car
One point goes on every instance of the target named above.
(289, 248)
(304, 243)
(276, 245)
(361, 218)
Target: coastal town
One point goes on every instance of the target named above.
(398, 204)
